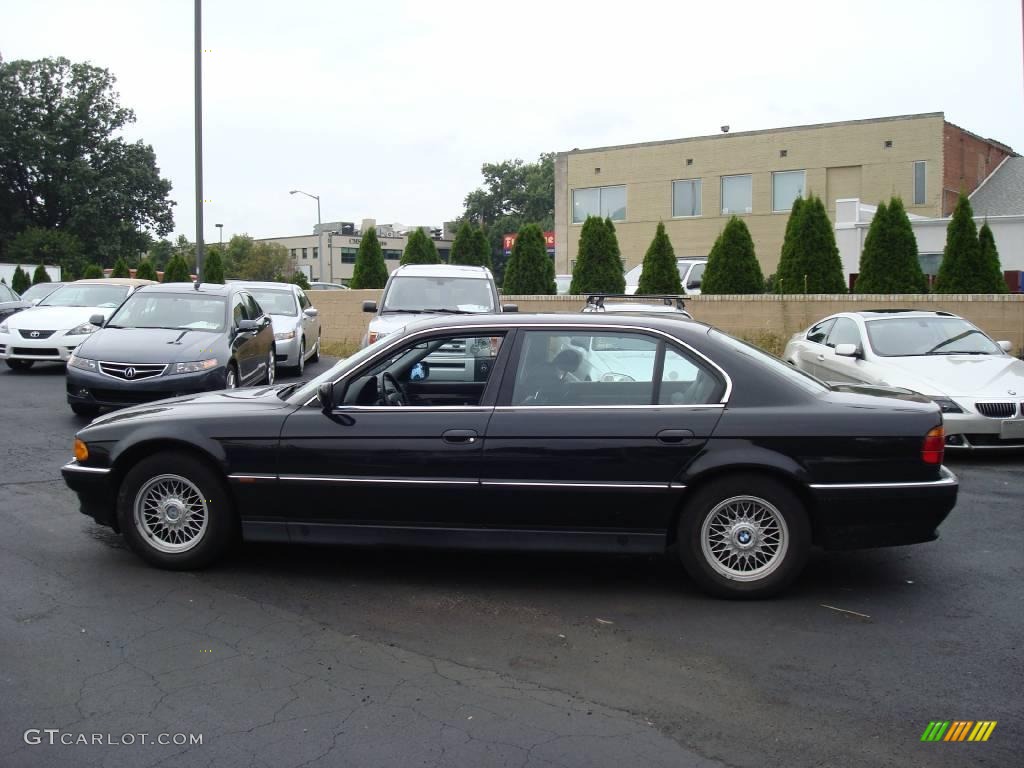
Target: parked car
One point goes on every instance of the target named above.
(718, 452)
(973, 379)
(170, 340)
(40, 291)
(691, 273)
(419, 291)
(296, 322)
(52, 329)
(669, 306)
(562, 284)
(328, 287)
(11, 302)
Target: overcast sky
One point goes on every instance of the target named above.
(387, 109)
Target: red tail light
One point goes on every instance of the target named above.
(934, 446)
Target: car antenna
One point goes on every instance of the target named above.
(196, 284)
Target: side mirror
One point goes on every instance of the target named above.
(1006, 346)
(311, 312)
(100, 320)
(326, 394)
(509, 307)
(369, 306)
(248, 325)
(847, 350)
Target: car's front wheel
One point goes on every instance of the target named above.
(19, 365)
(300, 364)
(315, 358)
(271, 369)
(231, 377)
(744, 536)
(175, 511)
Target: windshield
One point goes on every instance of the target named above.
(453, 294)
(39, 290)
(86, 295)
(796, 376)
(171, 310)
(308, 389)
(919, 336)
(276, 302)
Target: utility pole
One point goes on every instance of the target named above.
(199, 141)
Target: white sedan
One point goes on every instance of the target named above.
(973, 379)
(50, 331)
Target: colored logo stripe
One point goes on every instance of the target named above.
(958, 730)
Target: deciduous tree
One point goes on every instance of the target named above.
(47, 246)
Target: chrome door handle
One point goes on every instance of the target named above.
(675, 436)
(460, 436)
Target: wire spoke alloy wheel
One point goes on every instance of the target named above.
(744, 538)
(171, 514)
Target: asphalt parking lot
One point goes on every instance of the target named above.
(322, 657)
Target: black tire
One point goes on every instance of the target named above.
(86, 411)
(767, 544)
(151, 541)
(231, 377)
(315, 358)
(271, 373)
(19, 365)
(300, 365)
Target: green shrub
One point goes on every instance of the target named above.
(92, 272)
(889, 262)
(370, 271)
(420, 249)
(20, 282)
(963, 269)
(146, 270)
(120, 268)
(660, 273)
(990, 258)
(42, 276)
(177, 270)
(598, 266)
(530, 270)
(213, 267)
(809, 262)
(732, 264)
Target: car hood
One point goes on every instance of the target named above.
(389, 323)
(981, 376)
(55, 318)
(151, 345)
(192, 406)
(284, 323)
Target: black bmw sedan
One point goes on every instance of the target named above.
(168, 340)
(546, 432)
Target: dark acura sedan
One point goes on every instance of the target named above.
(561, 432)
(168, 340)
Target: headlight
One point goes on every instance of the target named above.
(83, 329)
(196, 367)
(4, 328)
(284, 336)
(946, 405)
(81, 362)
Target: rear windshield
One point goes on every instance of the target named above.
(276, 302)
(453, 294)
(798, 377)
(90, 295)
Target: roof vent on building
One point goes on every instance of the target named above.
(597, 170)
(689, 161)
(783, 152)
(725, 129)
(888, 143)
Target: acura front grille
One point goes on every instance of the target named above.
(132, 371)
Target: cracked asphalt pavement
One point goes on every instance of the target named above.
(288, 656)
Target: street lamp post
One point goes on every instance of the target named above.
(319, 233)
(220, 229)
(200, 245)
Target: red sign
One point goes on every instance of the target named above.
(549, 240)
(509, 241)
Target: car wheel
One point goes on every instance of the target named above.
(231, 377)
(744, 536)
(175, 511)
(300, 366)
(88, 411)
(271, 368)
(315, 358)
(19, 365)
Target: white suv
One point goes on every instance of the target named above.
(691, 272)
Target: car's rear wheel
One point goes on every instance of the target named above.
(88, 411)
(175, 511)
(19, 365)
(744, 536)
(315, 358)
(300, 366)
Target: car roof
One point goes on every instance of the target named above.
(666, 322)
(204, 289)
(113, 281)
(265, 284)
(883, 314)
(450, 270)
(641, 307)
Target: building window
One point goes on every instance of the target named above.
(348, 255)
(392, 255)
(737, 194)
(686, 197)
(930, 262)
(606, 202)
(304, 253)
(787, 186)
(293, 254)
(919, 179)
(316, 252)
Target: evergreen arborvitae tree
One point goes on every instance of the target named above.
(530, 270)
(146, 270)
(92, 272)
(962, 269)
(482, 248)
(120, 268)
(20, 282)
(370, 270)
(299, 279)
(732, 263)
(177, 270)
(889, 262)
(990, 257)
(420, 249)
(464, 246)
(42, 276)
(598, 268)
(810, 261)
(660, 273)
(213, 268)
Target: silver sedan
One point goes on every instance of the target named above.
(296, 323)
(973, 379)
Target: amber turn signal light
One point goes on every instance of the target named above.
(934, 446)
(81, 450)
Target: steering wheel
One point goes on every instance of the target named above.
(390, 392)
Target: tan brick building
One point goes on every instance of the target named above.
(694, 185)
